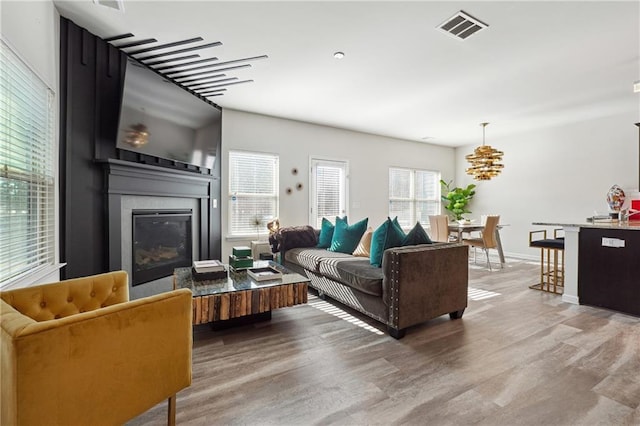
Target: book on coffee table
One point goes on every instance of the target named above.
(264, 274)
(204, 266)
(209, 276)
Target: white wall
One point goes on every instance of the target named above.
(559, 174)
(295, 142)
(31, 29)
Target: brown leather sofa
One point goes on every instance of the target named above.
(414, 284)
(78, 352)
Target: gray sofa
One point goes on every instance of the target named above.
(414, 284)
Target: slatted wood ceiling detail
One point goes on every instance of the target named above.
(201, 77)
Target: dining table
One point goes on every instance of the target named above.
(457, 229)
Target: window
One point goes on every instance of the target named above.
(253, 192)
(328, 190)
(413, 195)
(27, 170)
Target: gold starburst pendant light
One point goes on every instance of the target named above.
(485, 161)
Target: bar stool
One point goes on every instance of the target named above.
(551, 261)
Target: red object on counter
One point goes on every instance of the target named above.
(635, 205)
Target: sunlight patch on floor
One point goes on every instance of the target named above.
(328, 308)
(479, 294)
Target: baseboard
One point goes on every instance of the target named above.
(568, 298)
(520, 256)
(493, 255)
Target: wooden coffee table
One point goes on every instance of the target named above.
(240, 296)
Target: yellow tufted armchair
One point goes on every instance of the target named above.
(78, 352)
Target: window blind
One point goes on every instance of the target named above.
(329, 190)
(413, 195)
(400, 196)
(27, 155)
(253, 192)
(427, 195)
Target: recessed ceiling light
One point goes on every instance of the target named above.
(338, 55)
(636, 86)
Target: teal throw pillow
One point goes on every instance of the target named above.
(386, 236)
(326, 234)
(346, 237)
(416, 236)
(397, 228)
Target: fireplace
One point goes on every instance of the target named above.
(152, 191)
(161, 242)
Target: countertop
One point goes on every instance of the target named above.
(633, 225)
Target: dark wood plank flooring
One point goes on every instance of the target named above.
(517, 357)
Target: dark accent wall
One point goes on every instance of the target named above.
(91, 79)
(86, 98)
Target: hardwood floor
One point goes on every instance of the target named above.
(517, 357)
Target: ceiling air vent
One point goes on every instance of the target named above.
(462, 25)
(113, 4)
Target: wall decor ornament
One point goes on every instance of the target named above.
(299, 186)
(289, 191)
(294, 171)
(615, 198)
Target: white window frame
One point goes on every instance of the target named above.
(343, 210)
(32, 253)
(412, 199)
(258, 229)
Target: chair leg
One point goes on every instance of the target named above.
(555, 271)
(551, 271)
(541, 269)
(171, 412)
(486, 252)
(562, 270)
(548, 273)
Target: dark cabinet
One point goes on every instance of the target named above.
(609, 277)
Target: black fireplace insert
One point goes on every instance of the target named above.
(161, 243)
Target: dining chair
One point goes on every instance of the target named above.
(439, 228)
(487, 238)
(483, 222)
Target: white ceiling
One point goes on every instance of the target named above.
(538, 64)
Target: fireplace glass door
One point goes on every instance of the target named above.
(161, 243)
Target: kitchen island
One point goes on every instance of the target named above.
(602, 264)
